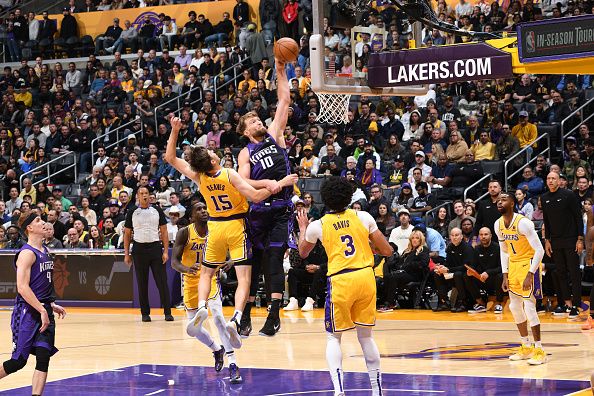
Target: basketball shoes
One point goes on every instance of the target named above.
(196, 322)
(538, 357)
(233, 330)
(219, 357)
(234, 376)
(524, 352)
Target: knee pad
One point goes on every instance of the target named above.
(43, 359)
(14, 365)
(531, 312)
(516, 306)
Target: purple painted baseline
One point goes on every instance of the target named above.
(196, 380)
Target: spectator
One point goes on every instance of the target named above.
(49, 240)
(531, 184)
(74, 241)
(15, 242)
(507, 146)
(457, 148)
(400, 235)
(525, 132)
(96, 239)
(452, 273)
(309, 165)
(573, 164)
(370, 175)
(312, 271)
(523, 205)
(583, 189)
(558, 111)
(466, 173)
(308, 205)
(483, 149)
(487, 212)
(168, 35)
(419, 164)
(331, 163)
(109, 37)
(409, 267)
(376, 198)
(128, 39)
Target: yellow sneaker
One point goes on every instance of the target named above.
(538, 357)
(524, 353)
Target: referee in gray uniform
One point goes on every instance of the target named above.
(151, 245)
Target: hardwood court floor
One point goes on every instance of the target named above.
(93, 340)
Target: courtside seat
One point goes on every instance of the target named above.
(492, 167)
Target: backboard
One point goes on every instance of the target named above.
(325, 78)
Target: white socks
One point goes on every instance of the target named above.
(372, 359)
(334, 359)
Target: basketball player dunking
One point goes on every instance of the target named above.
(265, 163)
(225, 193)
(351, 294)
(521, 256)
(33, 325)
(188, 253)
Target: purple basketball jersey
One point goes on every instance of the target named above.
(41, 274)
(270, 161)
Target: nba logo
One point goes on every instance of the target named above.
(530, 42)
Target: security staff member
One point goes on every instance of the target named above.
(148, 222)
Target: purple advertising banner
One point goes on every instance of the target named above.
(556, 39)
(451, 63)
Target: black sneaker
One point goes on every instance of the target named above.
(169, 318)
(540, 307)
(146, 318)
(442, 307)
(271, 327)
(219, 357)
(461, 308)
(245, 327)
(234, 376)
(574, 312)
(561, 310)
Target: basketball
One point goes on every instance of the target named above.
(286, 50)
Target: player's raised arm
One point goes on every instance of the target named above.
(24, 262)
(244, 188)
(171, 155)
(277, 128)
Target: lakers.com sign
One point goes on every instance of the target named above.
(556, 39)
(438, 64)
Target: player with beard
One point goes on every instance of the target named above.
(264, 163)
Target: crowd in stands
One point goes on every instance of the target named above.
(404, 155)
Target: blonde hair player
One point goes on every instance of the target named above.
(188, 253)
(351, 295)
(521, 256)
(225, 193)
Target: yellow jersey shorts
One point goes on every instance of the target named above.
(516, 275)
(350, 300)
(229, 234)
(190, 288)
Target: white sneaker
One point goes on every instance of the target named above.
(309, 305)
(109, 49)
(194, 325)
(293, 305)
(498, 309)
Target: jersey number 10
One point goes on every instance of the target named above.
(266, 162)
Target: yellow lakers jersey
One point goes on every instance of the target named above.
(194, 248)
(346, 241)
(518, 247)
(222, 198)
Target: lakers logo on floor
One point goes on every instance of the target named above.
(489, 351)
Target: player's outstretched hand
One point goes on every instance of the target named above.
(176, 124)
(44, 321)
(59, 310)
(302, 219)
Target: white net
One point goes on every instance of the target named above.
(334, 108)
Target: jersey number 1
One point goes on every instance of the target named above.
(350, 247)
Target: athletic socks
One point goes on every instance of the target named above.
(337, 380)
(375, 377)
(231, 357)
(248, 309)
(213, 345)
(237, 316)
(525, 341)
(538, 344)
(275, 305)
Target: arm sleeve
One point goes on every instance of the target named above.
(502, 250)
(526, 228)
(314, 232)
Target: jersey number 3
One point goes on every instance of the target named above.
(350, 247)
(221, 202)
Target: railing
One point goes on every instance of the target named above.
(177, 98)
(118, 140)
(506, 164)
(475, 184)
(232, 81)
(580, 110)
(49, 173)
(429, 214)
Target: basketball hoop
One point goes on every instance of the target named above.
(334, 108)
